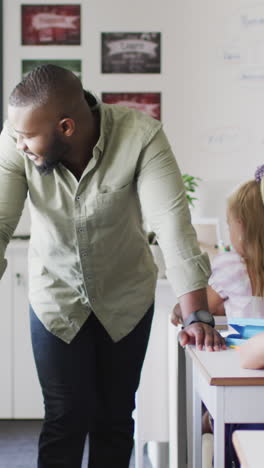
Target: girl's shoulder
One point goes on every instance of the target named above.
(229, 274)
(228, 259)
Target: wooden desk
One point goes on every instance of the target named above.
(249, 448)
(230, 393)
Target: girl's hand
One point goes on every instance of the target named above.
(176, 316)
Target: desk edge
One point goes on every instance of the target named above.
(225, 381)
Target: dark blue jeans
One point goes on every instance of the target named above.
(88, 386)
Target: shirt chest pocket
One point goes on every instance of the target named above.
(112, 206)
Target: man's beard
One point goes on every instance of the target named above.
(54, 155)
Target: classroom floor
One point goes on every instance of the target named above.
(18, 445)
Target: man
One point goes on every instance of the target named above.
(92, 172)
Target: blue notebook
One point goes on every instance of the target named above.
(245, 328)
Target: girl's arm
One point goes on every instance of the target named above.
(252, 352)
(215, 302)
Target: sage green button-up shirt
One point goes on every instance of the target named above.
(88, 248)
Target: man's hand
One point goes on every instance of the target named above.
(201, 335)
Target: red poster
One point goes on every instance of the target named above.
(144, 102)
(50, 24)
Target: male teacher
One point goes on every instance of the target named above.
(92, 172)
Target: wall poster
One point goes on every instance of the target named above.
(150, 103)
(51, 24)
(73, 65)
(134, 52)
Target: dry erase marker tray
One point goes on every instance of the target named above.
(245, 328)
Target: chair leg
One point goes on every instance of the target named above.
(139, 453)
(160, 454)
(207, 450)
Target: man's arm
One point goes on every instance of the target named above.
(215, 305)
(13, 190)
(198, 333)
(164, 204)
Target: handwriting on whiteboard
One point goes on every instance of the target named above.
(224, 140)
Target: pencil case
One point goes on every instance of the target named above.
(245, 328)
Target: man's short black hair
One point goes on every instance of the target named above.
(43, 83)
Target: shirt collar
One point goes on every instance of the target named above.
(95, 104)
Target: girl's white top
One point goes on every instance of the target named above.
(230, 280)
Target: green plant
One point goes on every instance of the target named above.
(190, 184)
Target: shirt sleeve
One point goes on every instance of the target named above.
(163, 199)
(13, 190)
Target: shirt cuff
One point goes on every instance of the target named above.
(190, 274)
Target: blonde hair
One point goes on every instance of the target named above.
(246, 205)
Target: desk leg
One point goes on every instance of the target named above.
(219, 430)
(197, 425)
(182, 413)
(177, 401)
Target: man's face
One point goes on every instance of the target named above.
(39, 137)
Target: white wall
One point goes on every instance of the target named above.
(212, 79)
(222, 116)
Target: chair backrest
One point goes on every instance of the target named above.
(208, 234)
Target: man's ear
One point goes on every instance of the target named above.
(66, 126)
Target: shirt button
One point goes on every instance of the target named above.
(78, 198)
(80, 230)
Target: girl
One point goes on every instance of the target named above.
(236, 285)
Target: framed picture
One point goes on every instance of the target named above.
(51, 24)
(134, 52)
(150, 103)
(73, 65)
